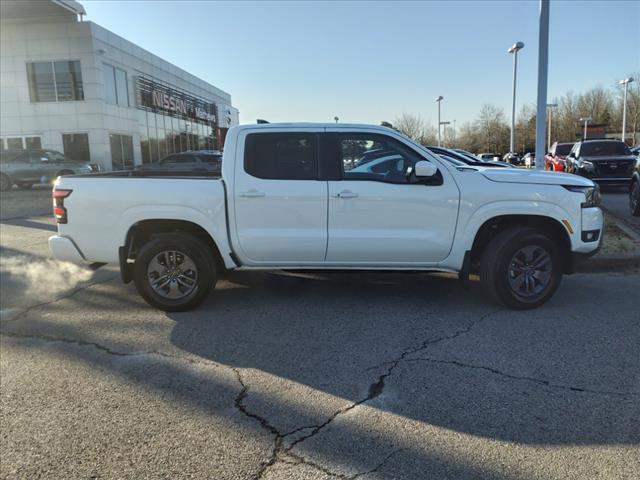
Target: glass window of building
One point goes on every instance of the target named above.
(110, 95)
(76, 146)
(14, 143)
(33, 143)
(55, 81)
(121, 151)
(116, 89)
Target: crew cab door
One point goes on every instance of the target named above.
(280, 206)
(380, 214)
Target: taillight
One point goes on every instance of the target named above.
(58, 205)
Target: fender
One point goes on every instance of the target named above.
(465, 236)
(214, 224)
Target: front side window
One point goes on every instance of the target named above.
(376, 157)
(281, 156)
(76, 146)
(55, 81)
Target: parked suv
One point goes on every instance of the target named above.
(634, 190)
(26, 167)
(603, 161)
(556, 159)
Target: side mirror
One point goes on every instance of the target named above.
(572, 155)
(424, 169)
(44, 159)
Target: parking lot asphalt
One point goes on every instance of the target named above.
(306, 376)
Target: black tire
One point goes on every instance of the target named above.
(5, 182)
(24, 186)
(634, 198)
(499, 273)
(185, 247)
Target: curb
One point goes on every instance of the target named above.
(610, 263)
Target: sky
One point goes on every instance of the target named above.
(367, 61)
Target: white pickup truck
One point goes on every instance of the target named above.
(329, 196)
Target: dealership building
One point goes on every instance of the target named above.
(73, 86)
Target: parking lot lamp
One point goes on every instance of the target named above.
(444, 127)
(549, 107)
(439, 99)
(626, 83)
(515, 48)
(586, 121)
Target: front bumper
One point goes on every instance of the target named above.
(64, 249)
(592, 219)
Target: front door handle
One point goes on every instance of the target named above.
(253, 193)
(346, 194)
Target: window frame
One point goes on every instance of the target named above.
(339, 163)
(316, 141)
(55, 82)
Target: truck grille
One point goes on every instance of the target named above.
(614, 168)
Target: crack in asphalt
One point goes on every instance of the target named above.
(525, 378)
(375, 389)
(65, 296)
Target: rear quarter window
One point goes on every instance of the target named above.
(281, 156)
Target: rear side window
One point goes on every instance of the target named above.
(281, 156)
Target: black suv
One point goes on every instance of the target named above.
(608, 162)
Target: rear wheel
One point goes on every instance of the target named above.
(174, 272)
(521, 268)
(634, 199)
(5, 182)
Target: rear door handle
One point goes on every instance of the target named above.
(346, 194)
(253, 193)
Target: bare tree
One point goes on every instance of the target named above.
(414, 127)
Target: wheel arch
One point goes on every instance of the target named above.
(142, 231)
(495, 225)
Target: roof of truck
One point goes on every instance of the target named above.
(314, 125)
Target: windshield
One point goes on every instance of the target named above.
(598, 149)
(563, 148)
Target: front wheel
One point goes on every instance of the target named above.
(634, 199)
(521, 268)
(174, 272)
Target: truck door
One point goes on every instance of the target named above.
(379, 214)
(280, 208)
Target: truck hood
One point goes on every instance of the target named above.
(517, 175)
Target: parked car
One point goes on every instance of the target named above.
(23, 168)
(491, 157)
(529, 160)
(634, 190)
(603, 161)
(468, 159)
(285, 203)
(191, 161)
(512, 159)
(556, 159)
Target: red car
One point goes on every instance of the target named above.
(555, 160)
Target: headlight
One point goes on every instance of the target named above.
(591, 195)
(587, 165)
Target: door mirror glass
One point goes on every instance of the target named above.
(424, 169)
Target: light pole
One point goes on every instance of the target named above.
(439, 99)
(445, 129)
(454, 132)
(586, 121)
(626, 83)
(514, 49)
(549, 107)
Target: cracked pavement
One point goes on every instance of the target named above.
(283, 376)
